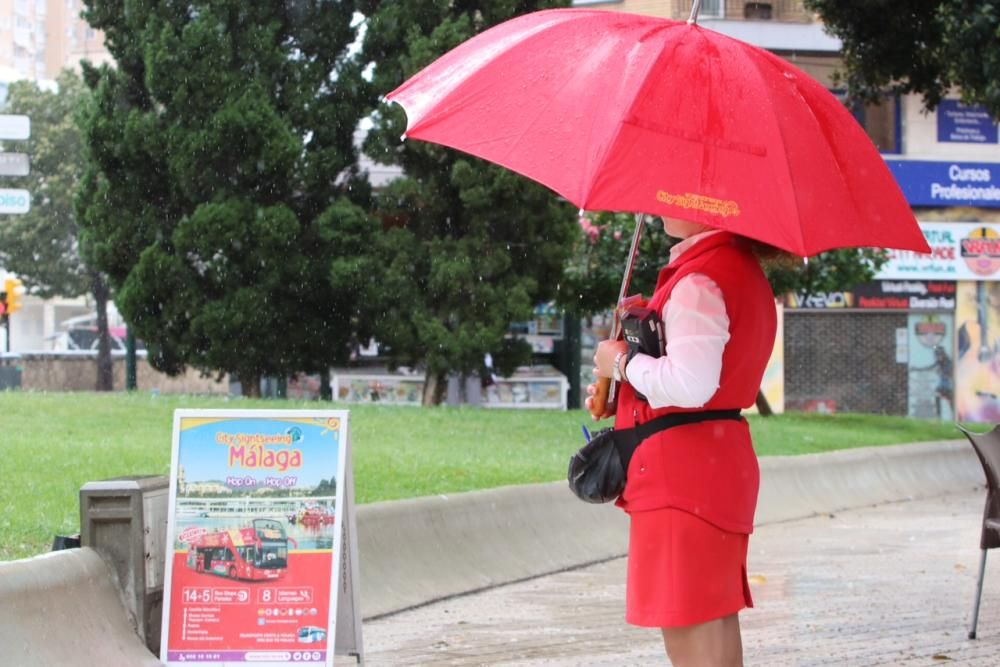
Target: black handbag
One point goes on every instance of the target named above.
(597, 472)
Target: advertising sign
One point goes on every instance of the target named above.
(977, 355)
(527, 391)
(965, 123)
(959, 251)
(930, 391)
(906, 295)
(948, 183)
(14, 164)
(14, 126)
(14, 201)
(773, 382)
(378, 388)
(261, 524)
(882, 295)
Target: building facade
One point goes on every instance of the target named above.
(38, 38)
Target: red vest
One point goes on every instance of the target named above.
(708, 468)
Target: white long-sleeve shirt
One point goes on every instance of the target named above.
(696, 330)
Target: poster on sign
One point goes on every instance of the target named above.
(959, 251)
(262, 561)
(931, 382)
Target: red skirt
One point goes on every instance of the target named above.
(683, 570)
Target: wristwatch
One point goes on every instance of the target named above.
(616, 371)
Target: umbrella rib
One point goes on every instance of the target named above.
(627, 112)
(784, 153)
(822, 129)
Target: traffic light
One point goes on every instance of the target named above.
(13, 291)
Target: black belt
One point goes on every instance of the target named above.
(627, 440)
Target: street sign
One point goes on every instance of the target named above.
(14, 164)
(14, 127)
(14, 201)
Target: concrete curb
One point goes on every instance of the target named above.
(417, 551)
(53, 606)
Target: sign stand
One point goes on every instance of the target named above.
(348, 638)
(262, 560)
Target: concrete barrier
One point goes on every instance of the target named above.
(794, 487)
(416, 551)
(64, 608)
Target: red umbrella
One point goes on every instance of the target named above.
(631, 113)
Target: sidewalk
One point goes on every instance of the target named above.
(887, 585)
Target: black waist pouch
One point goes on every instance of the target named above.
(597, 472)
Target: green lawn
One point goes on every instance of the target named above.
(51, 444)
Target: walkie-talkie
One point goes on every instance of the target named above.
(643, 332)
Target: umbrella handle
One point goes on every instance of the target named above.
(600, 399)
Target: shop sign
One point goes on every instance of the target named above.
(926, 183)
(882, 295)
(959, 251)
(906, 295)
(965, 123)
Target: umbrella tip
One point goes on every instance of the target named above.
(402, 137)
(695, 9)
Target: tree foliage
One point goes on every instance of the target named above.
(471, 247)
(926, 47)
(44, 245)
(222, 197)
(593, 275)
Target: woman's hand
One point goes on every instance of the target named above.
(604, 359)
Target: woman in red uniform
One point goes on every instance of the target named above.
(692, 489)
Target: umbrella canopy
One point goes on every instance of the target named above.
(624, 112)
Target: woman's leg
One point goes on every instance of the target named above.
(716, 643)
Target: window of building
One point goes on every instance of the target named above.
(882, 123)
(713, 9)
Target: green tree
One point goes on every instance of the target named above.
(222, 197)
(927, 47)
(592, 278)
(43, 246)
(470, 247)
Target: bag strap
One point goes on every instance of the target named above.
(627, 440)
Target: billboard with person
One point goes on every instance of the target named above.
(977, 355)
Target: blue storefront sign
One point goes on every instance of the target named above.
(965, 123)
(948, 183)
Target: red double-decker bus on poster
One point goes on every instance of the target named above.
(256, 553)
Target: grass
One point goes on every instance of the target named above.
(51, 444)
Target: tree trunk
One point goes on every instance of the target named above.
(250, 384)
(435, 386)
(763, 407)
(325, 390)
(105, 371)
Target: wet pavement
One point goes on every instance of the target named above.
(886, 585)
